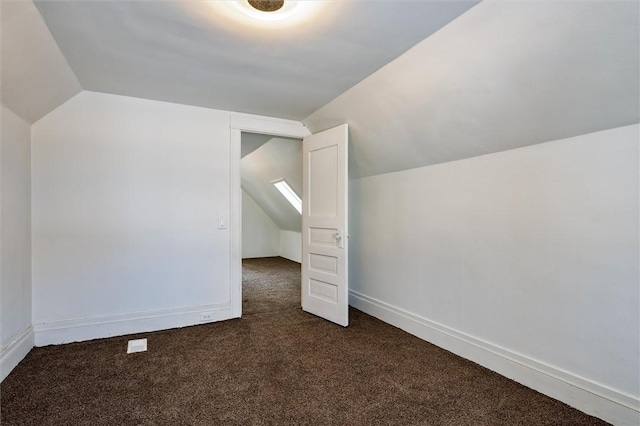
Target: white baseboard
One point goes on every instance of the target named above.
(590, 397)
(14, 352)
(78, 330)
(291, 258)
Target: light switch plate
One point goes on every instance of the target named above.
(222, 222)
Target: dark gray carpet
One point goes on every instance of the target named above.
(276, 365)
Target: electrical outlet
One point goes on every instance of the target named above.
(206, 317)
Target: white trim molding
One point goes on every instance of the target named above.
(14, 352)
(268, 126)
(588, 396)
(81, 329)
(235, 222)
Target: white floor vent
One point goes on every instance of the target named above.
(138, 345)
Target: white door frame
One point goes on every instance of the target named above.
(238, 124)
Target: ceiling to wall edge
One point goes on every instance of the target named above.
(304, 122)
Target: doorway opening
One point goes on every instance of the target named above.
(250, 125)
(324, 221)
(271, 184)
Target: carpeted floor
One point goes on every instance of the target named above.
(276, 365)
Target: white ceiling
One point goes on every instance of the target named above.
(252, 141)
(502, 76)
(36, 77)
(187, 52)
(499, 76)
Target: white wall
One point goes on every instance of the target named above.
(16, 335)
(260, 236)
(291, 245)
(525, 261)
(126, 198)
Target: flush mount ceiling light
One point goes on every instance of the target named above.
(269, 13)
(266, 5)
(266, 10)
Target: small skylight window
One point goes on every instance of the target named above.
(289, 194)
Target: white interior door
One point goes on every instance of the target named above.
(324, 225)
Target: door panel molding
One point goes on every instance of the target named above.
(325, 281)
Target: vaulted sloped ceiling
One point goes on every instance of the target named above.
(251, 142)
(502, 76)
(36, 77)
(480, 77)
(192, 52)
(277, 159)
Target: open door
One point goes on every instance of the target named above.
(324, 225)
